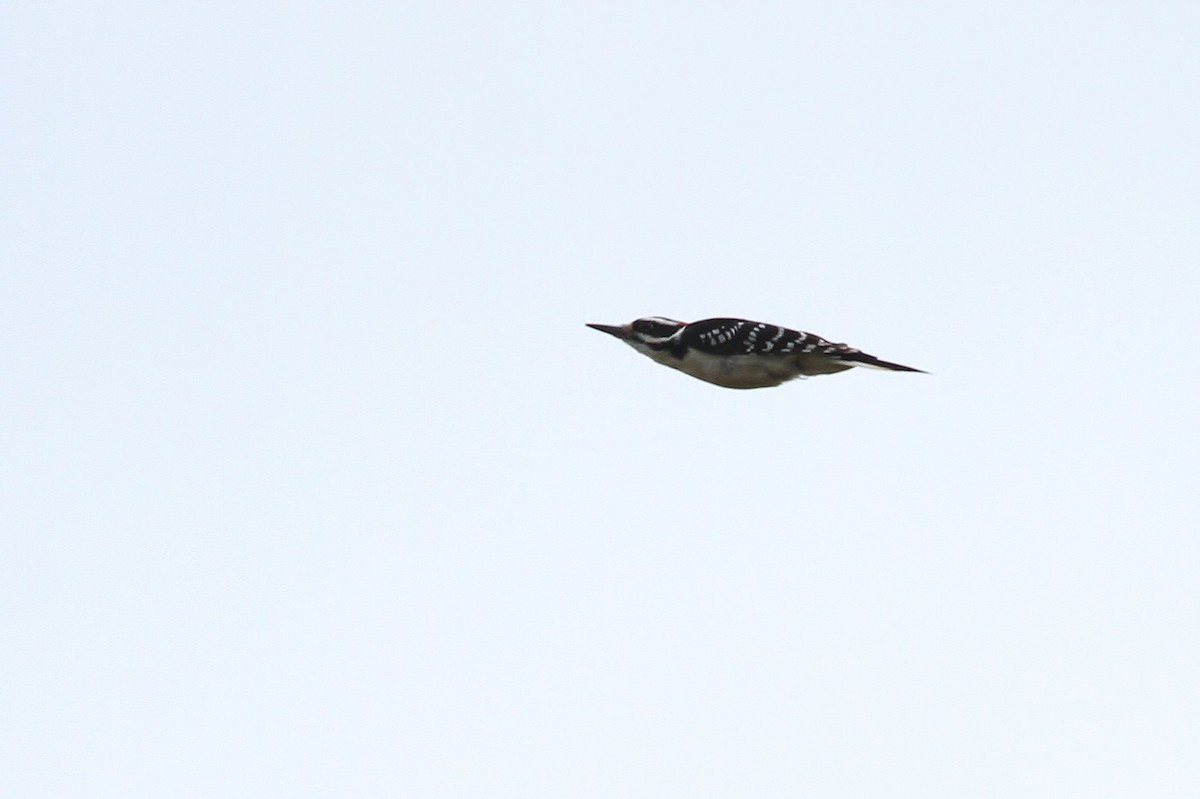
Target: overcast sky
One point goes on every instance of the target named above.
(314, 484)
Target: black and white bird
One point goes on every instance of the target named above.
(738, 353)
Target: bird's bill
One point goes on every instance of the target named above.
(620, 331)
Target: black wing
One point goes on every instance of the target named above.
(743, 337)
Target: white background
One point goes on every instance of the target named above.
(314, 484)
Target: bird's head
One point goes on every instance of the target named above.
(651, 332)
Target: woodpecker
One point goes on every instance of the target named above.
(738, 353)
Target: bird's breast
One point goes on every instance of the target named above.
(734, 371)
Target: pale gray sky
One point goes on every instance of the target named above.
(315, 484)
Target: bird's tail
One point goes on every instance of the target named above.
(862, 359)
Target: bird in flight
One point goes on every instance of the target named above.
(738, 353)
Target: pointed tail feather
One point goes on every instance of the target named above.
(862, 359)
